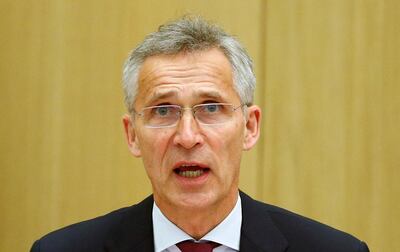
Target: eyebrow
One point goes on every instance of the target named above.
(160, 95)
(205, 94)
(208, 94)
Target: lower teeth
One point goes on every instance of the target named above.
(191, 174)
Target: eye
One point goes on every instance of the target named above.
(161, 110)
(211, 108)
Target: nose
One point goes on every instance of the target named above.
(188, 134)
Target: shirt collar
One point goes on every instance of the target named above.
(167, 234)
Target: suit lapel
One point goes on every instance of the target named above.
(135, 231)
(259, 232)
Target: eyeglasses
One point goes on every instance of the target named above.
(169, 115)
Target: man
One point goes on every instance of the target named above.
(189, 92)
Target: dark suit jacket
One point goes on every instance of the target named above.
(264, 228)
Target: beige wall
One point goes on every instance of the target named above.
(328, 83)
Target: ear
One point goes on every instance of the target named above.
(131, 137)
(252, 131)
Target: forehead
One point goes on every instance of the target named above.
(196, 74)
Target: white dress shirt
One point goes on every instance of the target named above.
(227, 233)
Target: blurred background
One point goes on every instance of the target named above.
(328, 82)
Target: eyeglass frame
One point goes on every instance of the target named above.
(140, 114)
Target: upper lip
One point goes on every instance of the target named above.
(190, 163)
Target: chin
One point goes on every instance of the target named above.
(196, 200)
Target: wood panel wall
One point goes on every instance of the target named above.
(328, 84)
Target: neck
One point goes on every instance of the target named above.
(195, 221)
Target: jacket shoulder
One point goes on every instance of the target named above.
(305, 234)
(89, 235)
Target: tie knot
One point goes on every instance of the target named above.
(191, 246)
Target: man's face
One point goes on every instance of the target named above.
(211, 153)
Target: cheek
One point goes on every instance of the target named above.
(154, 146)
(227, 142)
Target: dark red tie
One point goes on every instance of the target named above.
(191, 246)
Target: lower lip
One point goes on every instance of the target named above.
(193, 181)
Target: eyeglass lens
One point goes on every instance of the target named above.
(169, 115)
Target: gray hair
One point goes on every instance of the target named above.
(190, 34)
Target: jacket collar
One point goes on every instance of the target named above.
(259, 232)
(134, 231)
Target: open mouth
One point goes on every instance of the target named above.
(191, 171)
